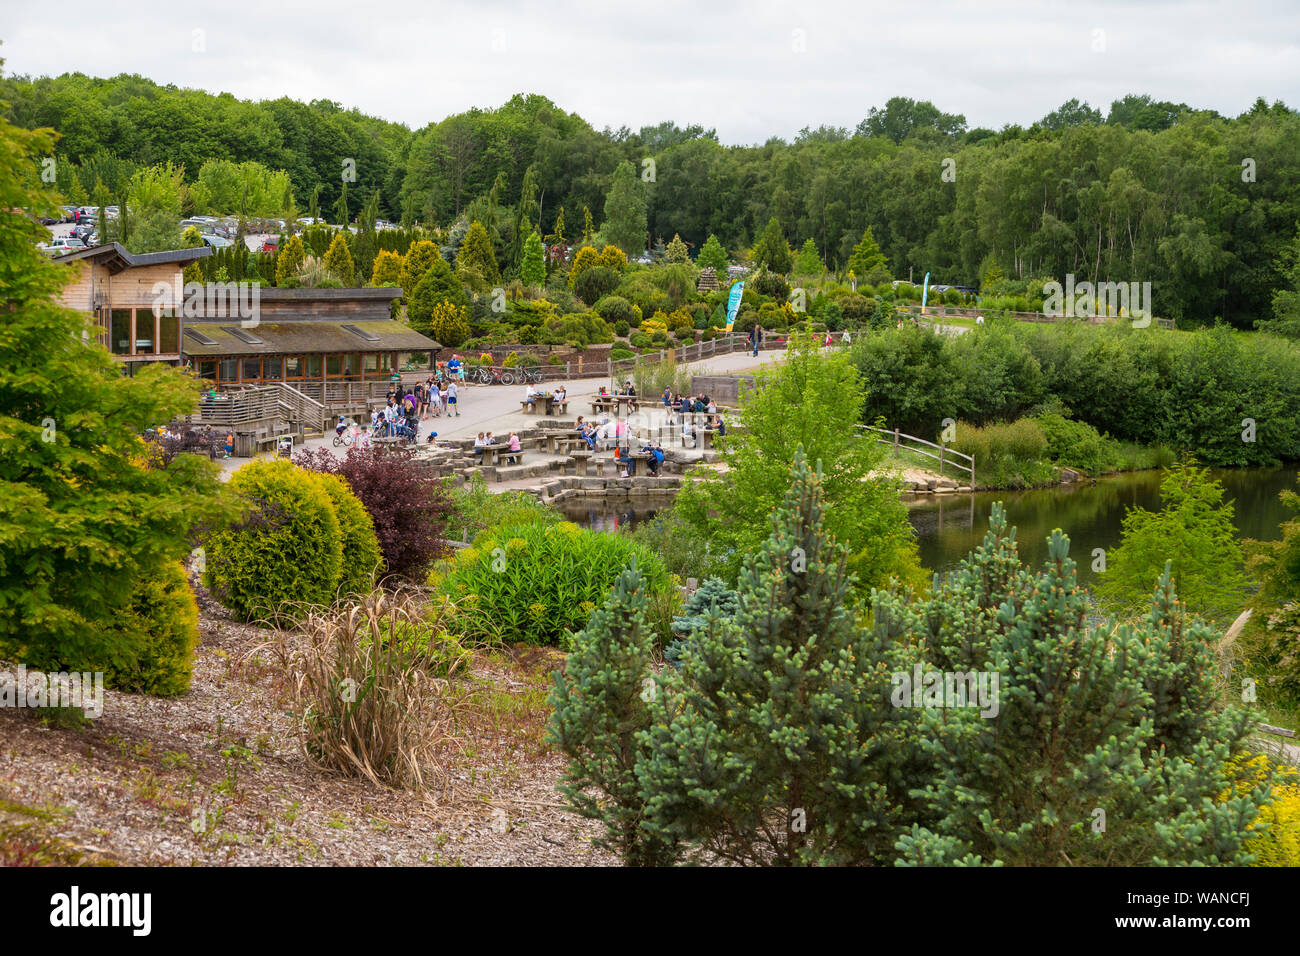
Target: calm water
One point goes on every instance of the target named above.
(948, 527)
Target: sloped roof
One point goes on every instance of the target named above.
(303, 337)
(115, 257)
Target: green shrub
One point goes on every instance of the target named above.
(1007, 455)
(639, 340)
(161, 629)
(596, 283)
(362, 562)
(1072, 443)
(287, 551)
(533, 582)
(475, 509)
(616, 354)
(621, 328)
(615, 308)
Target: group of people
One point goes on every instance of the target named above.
(435, 397)
(532, 394)
(686, 404)
(486, 439)
(396, 419)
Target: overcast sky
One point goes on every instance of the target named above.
(750, 70)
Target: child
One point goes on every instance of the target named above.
(230, 444)
(514, 446)
(451, 399)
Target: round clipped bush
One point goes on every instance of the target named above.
(595, 284)
(159, 631)
(531, 583)
(288, 550)
(362, 562)
(615, 308)
(617, 354)
(621, 328)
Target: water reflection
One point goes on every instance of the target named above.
(948, 527)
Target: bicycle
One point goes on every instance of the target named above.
(343, 441)
(534, 375)
(496, 376)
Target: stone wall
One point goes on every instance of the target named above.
(723, 389)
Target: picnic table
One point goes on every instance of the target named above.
(498, 451)
(558, 441)
(550, 401)
(580, 460)
(608, 402)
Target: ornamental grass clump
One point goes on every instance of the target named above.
(375, 689)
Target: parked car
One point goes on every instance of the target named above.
(63, 245)
(67, 213)
(217, 242)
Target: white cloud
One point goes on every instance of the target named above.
(730, 65)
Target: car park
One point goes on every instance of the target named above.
(63, 245)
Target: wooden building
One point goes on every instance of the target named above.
(311, 339)
(118, 288)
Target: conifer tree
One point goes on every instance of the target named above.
(588, 228)
(476, 262)
(419, 257)
(1102, 746)
(289, 261)
(338, 262)
(712, 254)
(868, 262)
(600, 703)
(533, 268)
(772, 251)
(769, 747)
(808, 262)
(556, 238)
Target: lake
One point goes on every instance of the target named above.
(948, 527)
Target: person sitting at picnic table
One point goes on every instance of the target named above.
(711, 411)
(514, 446)
(722, 427)
(656, 459)
(479, 444)
(668, 398)
(683, 407)
(602, 393)
(530, 396)
(560, 394)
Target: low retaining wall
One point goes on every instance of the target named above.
(723, 389)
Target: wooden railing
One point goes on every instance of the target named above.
(900, 441)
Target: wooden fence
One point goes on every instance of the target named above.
(899, 441)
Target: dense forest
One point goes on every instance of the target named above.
(1201, 205)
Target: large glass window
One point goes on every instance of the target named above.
(252, 370)
(169, 333)
(271, 369)
(293, 366)
(370, 363)
(312, 364)
(229, 370)
(146, 341)
(208, 369)
(352, 366)
(333, 365)
(120, 332)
